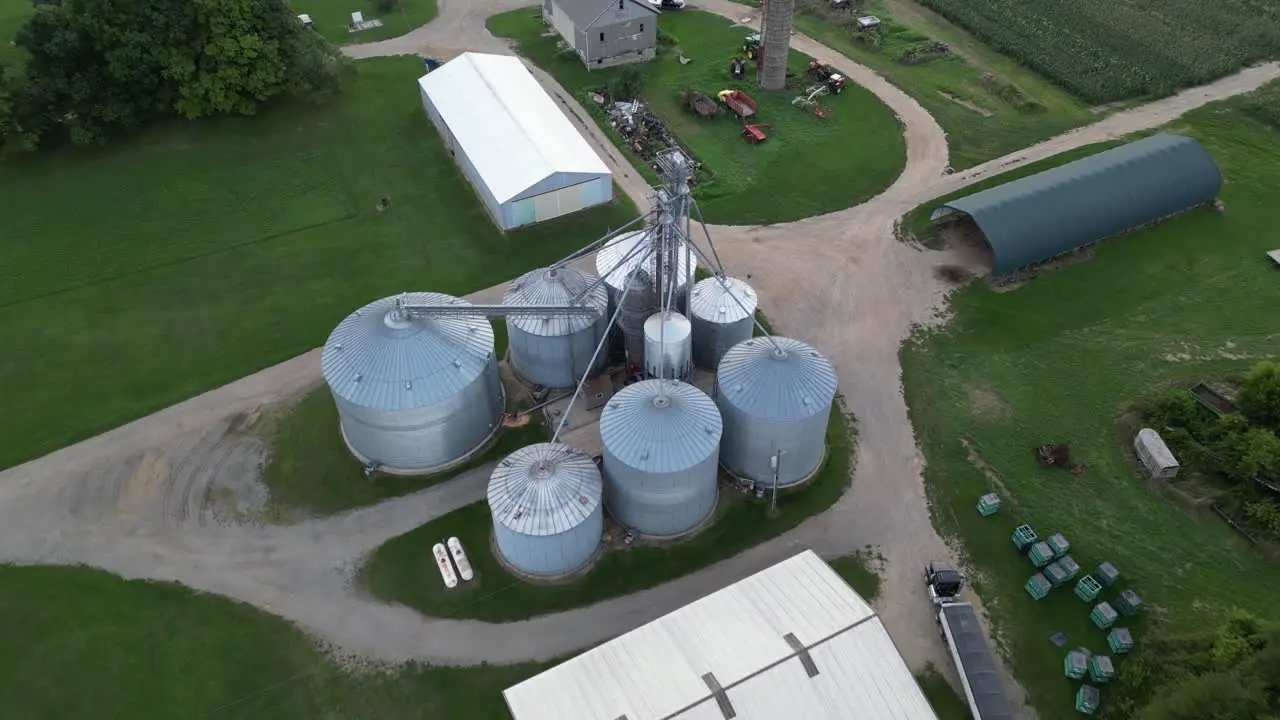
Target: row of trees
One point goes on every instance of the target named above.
(95, 68)
(1232, 673)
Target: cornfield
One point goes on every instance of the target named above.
(1106, 50)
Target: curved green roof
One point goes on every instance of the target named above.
(1068, 207)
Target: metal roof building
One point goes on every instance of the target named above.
(1036, 218)
(525, 159)
(792, 641)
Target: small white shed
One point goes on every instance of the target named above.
(525, 159)
(1155, 456)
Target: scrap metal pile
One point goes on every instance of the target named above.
(644, 133)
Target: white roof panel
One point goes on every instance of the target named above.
(510, 129)
(738, 635)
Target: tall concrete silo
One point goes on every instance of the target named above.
(547, 511)
(774, 399)
(415, 394)
(661, 442)
(723, 314)
(775, 39)
(555, 351)
(615, 260)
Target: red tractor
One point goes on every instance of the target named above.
(826, 75)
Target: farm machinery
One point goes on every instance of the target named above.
(826, 75)
(961, 630)
(741, 104)
(809, 101)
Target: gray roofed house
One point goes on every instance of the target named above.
(1036, 218)
(605, 32)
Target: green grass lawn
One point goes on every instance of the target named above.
(402, 570)
(1061, 359)
(808, 166)
(987, 104)
(79, 643)
(946, 702)
(333, 16)
(860, 572)
(311, 471)
(138, 275)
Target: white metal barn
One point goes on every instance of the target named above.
(523, 156)
(791, 641)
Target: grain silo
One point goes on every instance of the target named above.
(615, 260)
(547, 511)
(555, 351)
(722, 314)
(774, 394)
(667, 346)
(660, 440)
(415, 392)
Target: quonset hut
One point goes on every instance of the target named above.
(774, 394)
(414, 394)
(723, 314)
(555, 350)
(547, 511)
(660, 441)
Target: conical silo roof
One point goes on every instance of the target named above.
(615, 260)
(791, 381)
(661, 426)
(559, 286)
(544, 489)
(376, 359)
(723, 300)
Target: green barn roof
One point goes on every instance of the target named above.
(1039, 217)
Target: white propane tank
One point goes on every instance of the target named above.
(460, 559)
(446, 568)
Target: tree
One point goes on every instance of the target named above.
(1259, 395)
(1250, 451)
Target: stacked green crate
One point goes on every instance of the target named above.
(1100, 669)
(1038, 586)
(1120, 640)
(1088, 589)
(989, 504)
(1041, 554)
(1056, 575)
(1129, 603)
(1107, 574)
(1088, 700)
(1059, 544)
(1104, 616)
(1024, 537)
(1069, 565)
(1075, 665)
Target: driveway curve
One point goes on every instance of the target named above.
(123, 502)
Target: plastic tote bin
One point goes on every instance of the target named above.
(1120, 640)
(1075, 665)
(1104, 616)
(1041, 554)
(1070, 566)
(1100, 669)
(1055, 574)
(1088, 589)
(1129, 603)
(1088, 700)
(1024, 537)
(1038, 587)
(988, 504)
(1059, 544)
(1106, 574)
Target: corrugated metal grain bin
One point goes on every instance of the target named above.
(615, 260)
(723, 314)
(660, 442)
(414, 393)
(555, 351)
(774, 398)
(547, 511)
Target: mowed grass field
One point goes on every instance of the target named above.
(332, 17)
(807, 167)
(988, 105)
(1062, 359)
(1107, 50)
(79, 643)
(144, 273)
(402, 570)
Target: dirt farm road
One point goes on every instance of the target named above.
(140, 501)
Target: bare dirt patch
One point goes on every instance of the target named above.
(986, 404)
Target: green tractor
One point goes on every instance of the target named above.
(751, 46)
